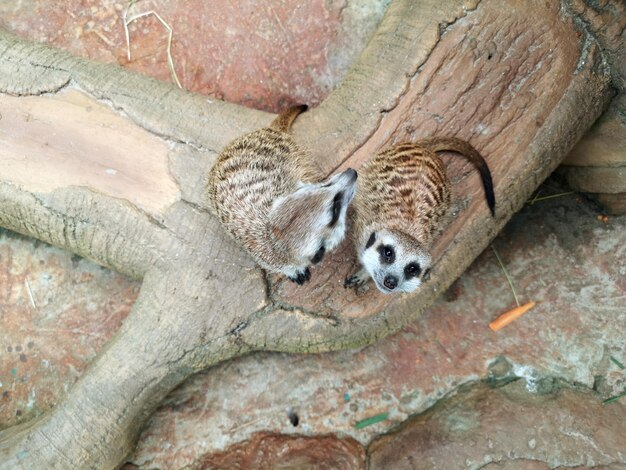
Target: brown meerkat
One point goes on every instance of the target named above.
(273, 201)
(402, 195)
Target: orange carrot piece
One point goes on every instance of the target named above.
(507, 317)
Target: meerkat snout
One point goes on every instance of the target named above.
(394, 260)
(270, 197)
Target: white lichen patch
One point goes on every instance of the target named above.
(530, 376)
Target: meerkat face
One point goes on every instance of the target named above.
(311, 221)
(396, 261)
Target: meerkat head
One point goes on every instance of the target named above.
(311, 221)
(396, 261)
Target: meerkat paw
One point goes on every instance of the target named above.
(301, 277)
(357, 280)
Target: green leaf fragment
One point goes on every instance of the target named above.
(617, 363)
(371, 420)
(615, 398)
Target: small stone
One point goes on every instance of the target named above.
(409, 398)
(532, 443)
(546, 386)
(500, 373)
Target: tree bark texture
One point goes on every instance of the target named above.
(111, 165)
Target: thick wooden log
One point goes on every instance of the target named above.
(111, 165)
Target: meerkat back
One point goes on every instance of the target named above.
(267, 194)
(255, 169)
(405, 186)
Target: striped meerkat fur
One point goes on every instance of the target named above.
(402, 195)
(275, 203)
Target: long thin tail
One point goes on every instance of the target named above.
(441, 144)
(284, 120)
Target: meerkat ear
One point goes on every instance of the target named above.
(280, 218)
(371, 240)
(281, 223)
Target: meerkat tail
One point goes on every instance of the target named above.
(452, 144)
(285, 119)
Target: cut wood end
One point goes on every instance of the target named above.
(70, 139)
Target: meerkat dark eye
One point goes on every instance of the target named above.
(412, 270)
(370, 240)
(319, 254)
(336, 208)
(387, 255)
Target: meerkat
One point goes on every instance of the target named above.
(273, 201)
(403, 194)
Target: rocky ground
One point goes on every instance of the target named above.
(446, 392)
(264, 55)
(449, 391)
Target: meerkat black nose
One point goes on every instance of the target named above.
(390, 282)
